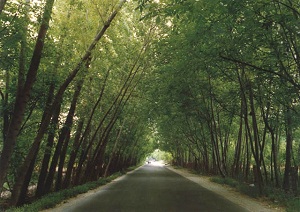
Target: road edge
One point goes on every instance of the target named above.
(69, 201)
(232, 195)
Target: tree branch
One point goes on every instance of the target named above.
(287, 78)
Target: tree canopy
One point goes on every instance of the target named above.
(89, 88)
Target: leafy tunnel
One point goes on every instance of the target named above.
(90, 88)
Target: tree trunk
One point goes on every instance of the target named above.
(256, 150)
(2, 4)
(274, 165)
(113, 150)
(65, 132)
(288, 151)
(12, 135)
(237, 154)
(5, 96)
(214, 134)
(48, 150)
(23, 97)
(76, 146)
(24, 190)
(30, 156)
(118, 104)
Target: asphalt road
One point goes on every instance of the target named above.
(154, 188)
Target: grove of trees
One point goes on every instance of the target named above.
(89, 88)
(226, 87)
(70, 110)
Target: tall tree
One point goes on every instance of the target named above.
(22, 98)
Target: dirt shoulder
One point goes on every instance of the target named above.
(63, 206)
(229, 193)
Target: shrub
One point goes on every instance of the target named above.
(225, 181)
(52, 199)
(293, 204)
(252, 191)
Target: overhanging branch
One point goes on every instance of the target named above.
(287, 78)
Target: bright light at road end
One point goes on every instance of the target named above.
(157, 163)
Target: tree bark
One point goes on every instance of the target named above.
(24, 190)
(113, 150)
(48, 150)
(76, 146)
(65, 132)
(57, 101)
(256, 150)
(23, 97)
(30, 157)
(237, 154)
(288, 151)
(5, 96)
(2, 4)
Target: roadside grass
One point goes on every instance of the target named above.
(289, 200)
(52, 199)
(276, 196)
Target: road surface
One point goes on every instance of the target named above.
(153, 188)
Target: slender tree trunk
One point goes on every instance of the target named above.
(22, 98)
(87, 128)
(262, 158)
(237, 155)
(57, 101)
(2, 4)
(118, 104)
(76, 146)
(48, 150)
(288, 151)
(274, 165)
(61, 164)
(100, 160)
(113, 150)
(28, 160)
(65, 132)
(274, 157)
(256, 152)
(24, 190)
(214, 135)
(5, 115)
(64, 137)
(96, 159)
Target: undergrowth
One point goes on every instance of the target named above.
(277, 196)
(52, 199)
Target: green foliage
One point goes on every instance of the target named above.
(225, 181)
(192, 66)
(282, 198)
(251, 191)
(206, 62)
(161, 155)
(275, 195)
(293, 204)
(51, 200)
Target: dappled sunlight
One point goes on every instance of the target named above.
(159, 158)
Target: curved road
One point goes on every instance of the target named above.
(153, 188)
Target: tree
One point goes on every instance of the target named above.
(22, 98)
(248, 74)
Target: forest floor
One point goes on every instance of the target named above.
(251, 204)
